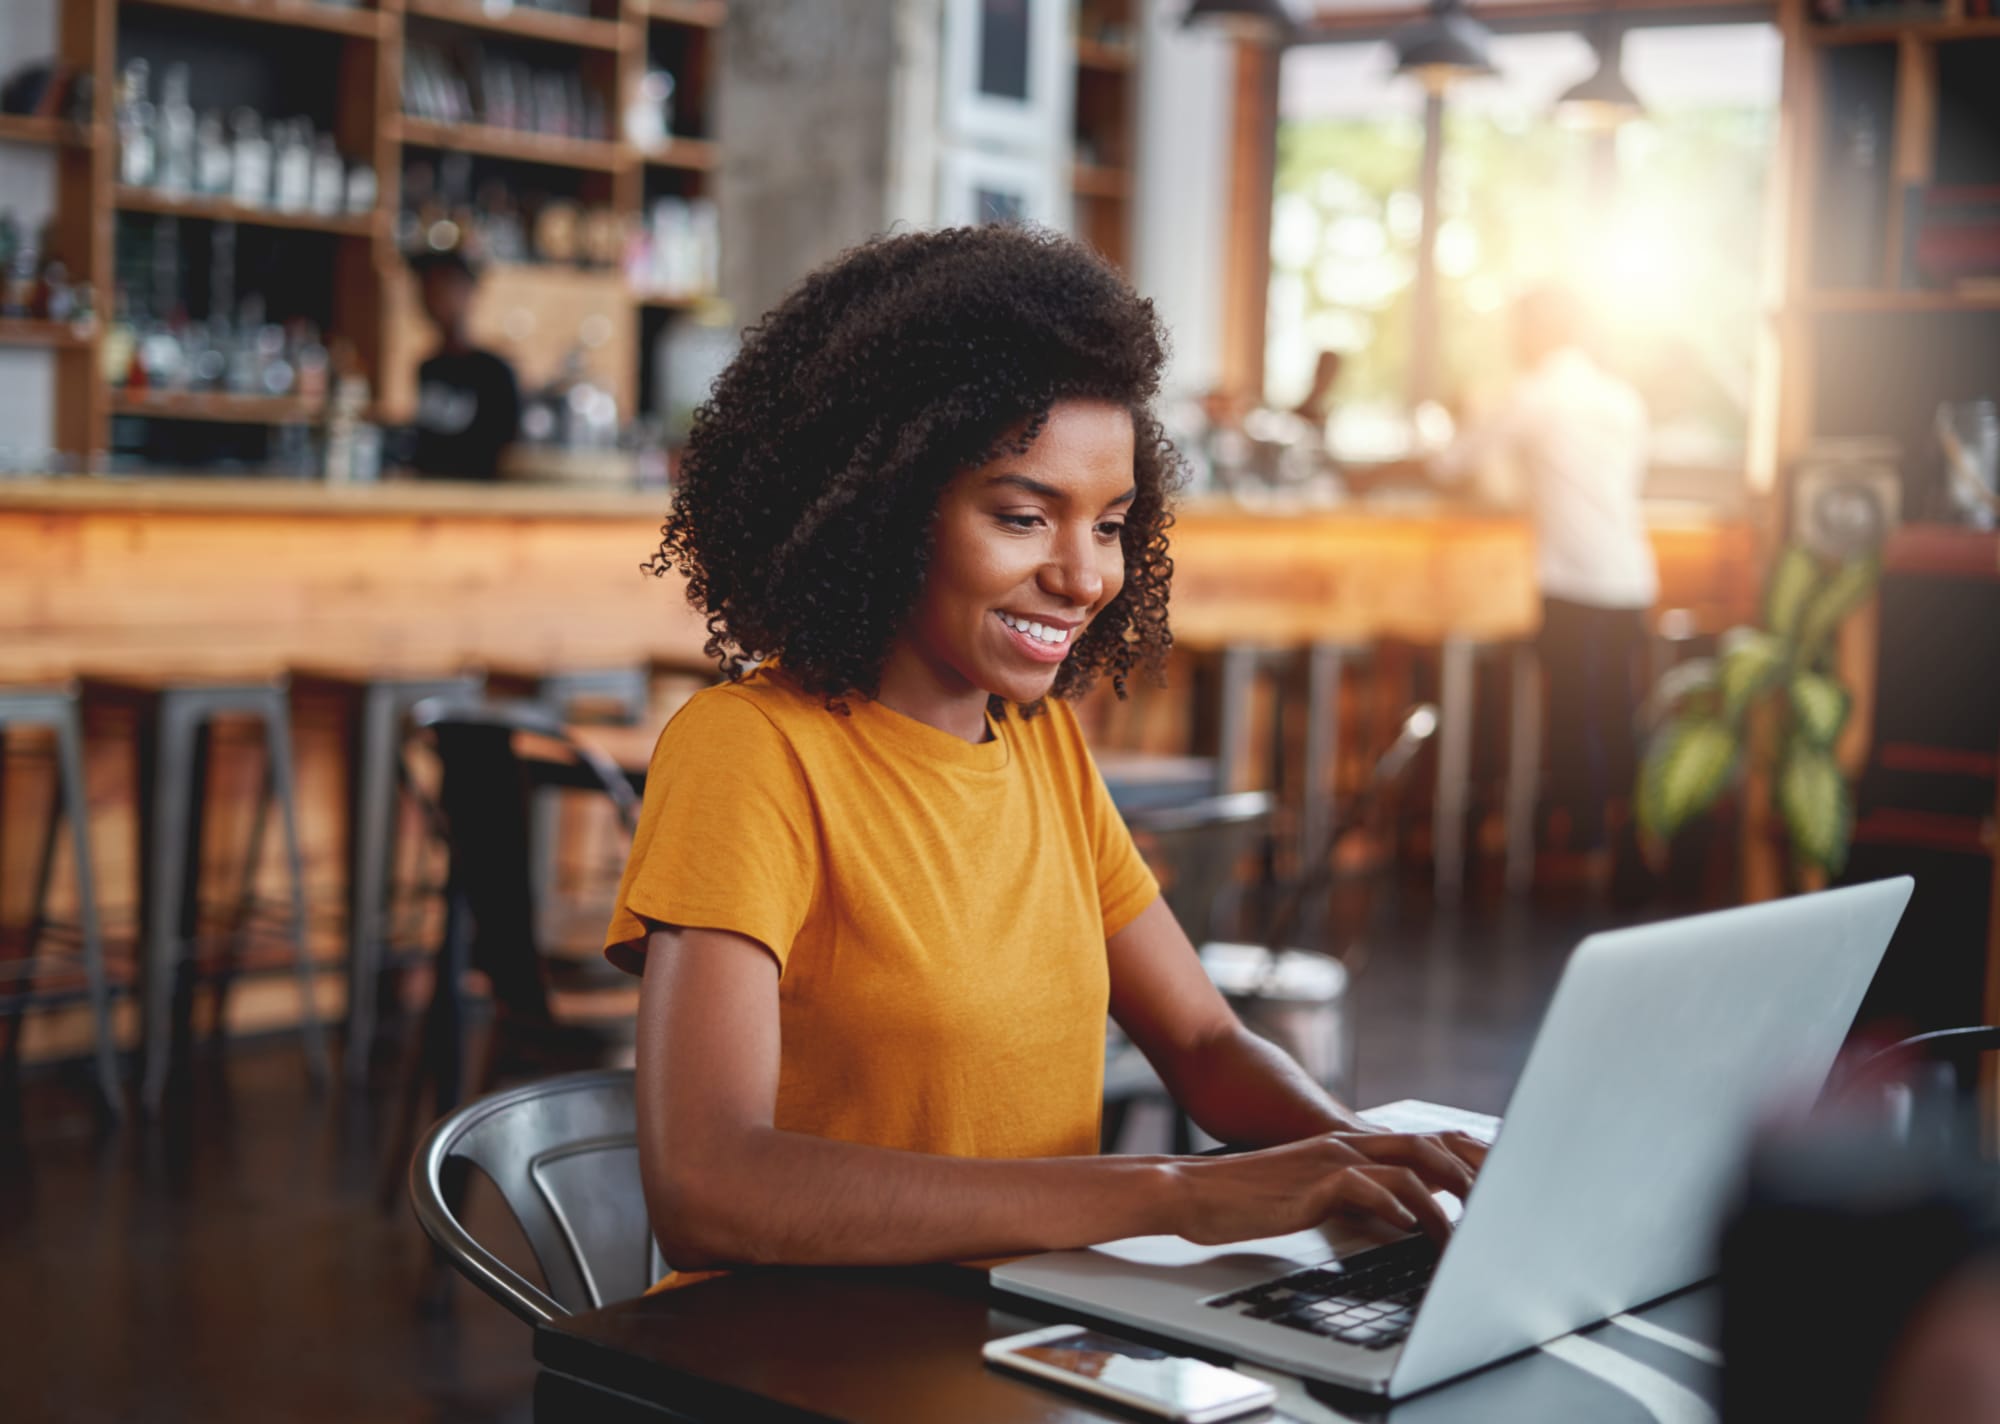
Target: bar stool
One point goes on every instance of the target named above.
(1457, 677)
(615, 693)
(377, 703)
(174, 724)
(55, 708)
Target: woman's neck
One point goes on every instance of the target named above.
(935, 695)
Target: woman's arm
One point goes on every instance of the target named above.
(1237, 1086)
(725, 1187)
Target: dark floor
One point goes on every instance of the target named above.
(233, 1261)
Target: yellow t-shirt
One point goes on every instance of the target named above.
(938, 909)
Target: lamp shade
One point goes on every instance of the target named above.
(1444, 46)
(1604, 100)
(1246, 19)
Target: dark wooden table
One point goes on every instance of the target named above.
(896, 1346)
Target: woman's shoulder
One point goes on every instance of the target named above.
(759, 709)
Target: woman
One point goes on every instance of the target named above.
(879, 897)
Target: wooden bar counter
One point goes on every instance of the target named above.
(234, 576)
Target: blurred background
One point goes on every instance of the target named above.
(1589, 413)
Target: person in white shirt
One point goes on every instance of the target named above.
(1576, 438)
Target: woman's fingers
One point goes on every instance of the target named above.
(1397, 1195)
(1430, 1157)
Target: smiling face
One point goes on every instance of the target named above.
(1025, 552)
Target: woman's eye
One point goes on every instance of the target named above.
(1111, 529)
(1020, 521)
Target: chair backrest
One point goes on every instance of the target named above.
(1198, 844)
(483, 805)
(564, 1154)
(494, 723)
(1418, 727)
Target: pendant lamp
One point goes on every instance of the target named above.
(1445, 46)
(1264, 20)
(1604, 100)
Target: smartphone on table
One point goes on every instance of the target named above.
(1136, 1376)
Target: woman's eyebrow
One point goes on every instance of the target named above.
(1036, 487)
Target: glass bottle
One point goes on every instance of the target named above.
(329, 177)
(176, 149)
(135, 118)
(212, 157)
(291, 167)
(115, 355)
(250, 178)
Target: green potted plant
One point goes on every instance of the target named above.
(1769, 702)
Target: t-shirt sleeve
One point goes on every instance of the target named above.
(1125, 885)
(727, 836)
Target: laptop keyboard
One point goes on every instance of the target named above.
(1368, 1299)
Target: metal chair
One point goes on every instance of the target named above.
(564, 1153)
(1924, 1083)
(484, 814)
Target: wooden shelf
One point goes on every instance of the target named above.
(147, 200)
(696, 155)
(594, 155)
(15, 331)
(29, 128)
(296, 14)
(1892, 302)
(1114, 58)
(1092, 180)
(1890, 31)
(701, 14)
(217, 406)
(525, 21)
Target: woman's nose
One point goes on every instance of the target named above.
(1072, 573)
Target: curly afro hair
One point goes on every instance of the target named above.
(802, 517)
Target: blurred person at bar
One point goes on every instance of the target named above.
(1575, 436)
(468, 404)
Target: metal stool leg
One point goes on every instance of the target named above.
(1524, 767)
(278, 734)
(1454, 769)
(372, 856)
(1232, 742)
(172, 753)
(69, 752)
(246, 897)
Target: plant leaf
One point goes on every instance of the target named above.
(1843, 592)
(1821, 706)
(1676, 685)
(1793, 579)
(1751, 661)
(1686, 767)
(1816, 804)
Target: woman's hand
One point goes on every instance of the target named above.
(1292, 1188)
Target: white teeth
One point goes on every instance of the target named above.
(1040, 632)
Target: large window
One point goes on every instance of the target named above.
(1659, 227)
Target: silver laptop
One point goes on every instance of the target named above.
(1622, 1144)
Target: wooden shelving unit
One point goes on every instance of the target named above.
(28, 128)
(696, 14)
(1106, 124)
(19, 331)
(296, 14)
(695, 155)
(1867, 348)
(148, 200)
(589, 154)
(371, 300)
(216, 407)
(527, 22)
